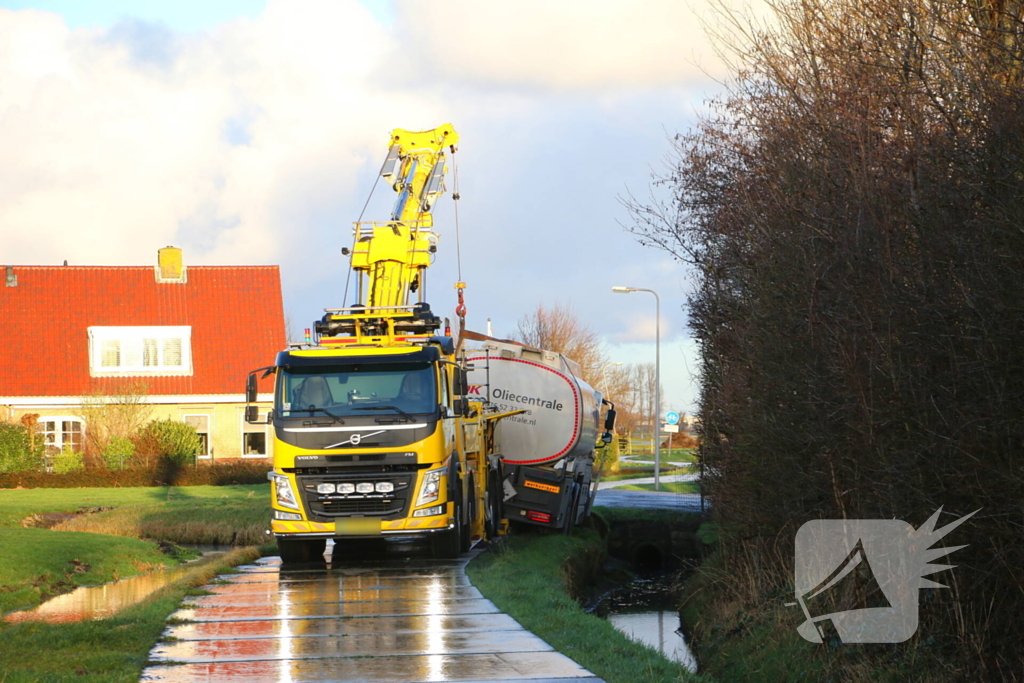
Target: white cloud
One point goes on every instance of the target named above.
(564, 45)
(117, 142)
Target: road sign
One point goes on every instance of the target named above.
(672, 418)
(670, 429)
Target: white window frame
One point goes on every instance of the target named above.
(58, 441)
(137, 336)
(246, 428)
(209, 431)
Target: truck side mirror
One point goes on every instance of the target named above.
(609, 420)
(252, 413)
(459, 382)
(460, 407)
(250, 389)
(606, 438)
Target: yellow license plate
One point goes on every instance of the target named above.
(357, 526)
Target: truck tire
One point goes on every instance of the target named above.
(300, 550)
(446, 545)
(494, 499)
(466, 532)
(573, 511)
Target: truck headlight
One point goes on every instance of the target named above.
(385, 487)
(364, 487)
(430, 487)
(325, 488)
(283, 492)
(346, 488)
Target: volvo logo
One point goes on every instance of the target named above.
(355, 439)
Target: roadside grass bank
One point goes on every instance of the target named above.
(641, 472)
(108, 534)
(666, 487)
(676, 455)
(536, 578)
(112, 650)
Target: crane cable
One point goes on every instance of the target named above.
(460, 286)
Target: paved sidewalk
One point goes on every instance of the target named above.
(402, 620)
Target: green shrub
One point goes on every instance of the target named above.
(213, 474)
(68, 460)
(177, 441)
(16, 453)
(119, 452)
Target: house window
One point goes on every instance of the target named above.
(254, 439)
(201, 423)
(140, 351)
(59, 433)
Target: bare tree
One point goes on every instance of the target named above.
(560, 329)
(116, 414)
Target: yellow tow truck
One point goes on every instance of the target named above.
(374, 435)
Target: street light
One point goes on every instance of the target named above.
(657, 377)
(604, 382)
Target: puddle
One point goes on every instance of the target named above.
(100, 602)
(645, 611)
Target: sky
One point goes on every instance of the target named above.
(249, 132)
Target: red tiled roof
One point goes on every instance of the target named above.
(236, 314)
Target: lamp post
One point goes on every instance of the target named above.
(657, 377)
(604, 381)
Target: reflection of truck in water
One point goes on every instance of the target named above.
(376, 432)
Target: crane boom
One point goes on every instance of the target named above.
(393, 256)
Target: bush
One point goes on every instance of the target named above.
(218, 474)
(68, 460)
(16, 452)
(119, 452)
(175, 440)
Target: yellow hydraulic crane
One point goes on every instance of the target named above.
(390, 258)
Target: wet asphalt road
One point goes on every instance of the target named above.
(394, 618)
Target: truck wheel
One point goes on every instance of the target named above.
(494, 512)
(466, 532)
(300, 551)
(446, 544)
(573, 511)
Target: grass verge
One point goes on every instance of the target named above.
(641, 472)
(533, 577)
(113, 650)
(37, 563)
(666, 486)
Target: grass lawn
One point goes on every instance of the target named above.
(527, 578)
(668, 486)
(646, 472)
(113, 650)
(37, 563)
(104, 545)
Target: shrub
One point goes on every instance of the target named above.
(68, 460)
(217, 474)
(16, 452)
(119, 452)
(177, 441)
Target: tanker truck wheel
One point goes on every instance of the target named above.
(300, 551)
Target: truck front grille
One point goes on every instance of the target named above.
(358, 507)
(328, 507)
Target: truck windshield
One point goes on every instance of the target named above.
(348, 389)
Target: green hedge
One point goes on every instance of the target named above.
(166, 473)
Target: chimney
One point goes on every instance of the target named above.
(12, 279)
(169, 266)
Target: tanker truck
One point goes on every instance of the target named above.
(542, 464)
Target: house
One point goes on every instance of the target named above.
(189, 334)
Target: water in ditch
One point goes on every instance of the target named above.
(645, 610)
(99, 602)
